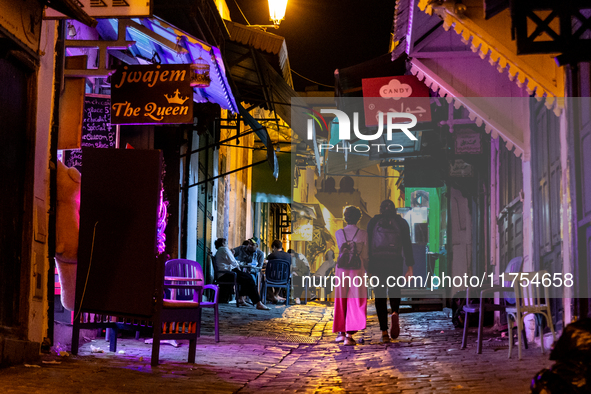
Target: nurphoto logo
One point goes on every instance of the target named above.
(394, 121)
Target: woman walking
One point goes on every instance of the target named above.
(350, 308)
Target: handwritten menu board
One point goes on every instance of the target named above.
(97, 130)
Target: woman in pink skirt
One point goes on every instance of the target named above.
(350, 308)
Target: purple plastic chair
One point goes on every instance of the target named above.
(192, 269)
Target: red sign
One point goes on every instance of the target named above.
(403, 93)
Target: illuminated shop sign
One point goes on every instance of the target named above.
(152, 94)
(403, 94)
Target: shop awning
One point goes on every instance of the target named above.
(259, 65)
(501, 116)
(263, 135)
(491, 39)
(158, 41)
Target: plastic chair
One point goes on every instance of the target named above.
(528, 300)
(192, 269)
(481, 307)
(178, 319)
(217, 274)
(278, 274)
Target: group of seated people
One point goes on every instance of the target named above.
(250, 254)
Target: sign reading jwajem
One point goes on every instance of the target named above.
(402, 94)
(152, 94)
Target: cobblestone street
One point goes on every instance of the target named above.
(293, 350)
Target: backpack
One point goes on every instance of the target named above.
(348, 256)
(387, 238)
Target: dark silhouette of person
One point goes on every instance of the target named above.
(390, 247)
(346, 185)
(329, 185)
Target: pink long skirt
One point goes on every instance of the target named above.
(350, 307)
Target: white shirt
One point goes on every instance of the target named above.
(224, 259)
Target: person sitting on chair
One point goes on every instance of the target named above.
(225, 261)
(278, 254)
(248, 253)
(301, 269)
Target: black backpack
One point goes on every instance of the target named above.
(348, 256)
(386, 238)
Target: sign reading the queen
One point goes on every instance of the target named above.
(403, 94)
(152, 94)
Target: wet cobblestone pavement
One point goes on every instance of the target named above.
(291, 350)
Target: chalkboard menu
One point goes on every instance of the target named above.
(97, 130)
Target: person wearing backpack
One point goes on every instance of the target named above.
(350, 307)
(389, 248)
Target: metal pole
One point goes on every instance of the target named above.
(227, 173)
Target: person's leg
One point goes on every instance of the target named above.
(297, 291)
(382, 307)
(247, 286)
(394, 293)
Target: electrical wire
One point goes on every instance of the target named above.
(239, 9)
(308, 79)
(88, 272)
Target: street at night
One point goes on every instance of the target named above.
(262, 196)
(293, 350)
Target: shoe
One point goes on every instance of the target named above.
(313, 297)
(386, 338)
(349, 341)
(241, 303)
(395, 326)
(340, 338)
(297, 301)
(262, 307)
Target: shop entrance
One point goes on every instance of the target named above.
(15, 156)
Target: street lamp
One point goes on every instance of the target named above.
(277, 11)
(276, 14)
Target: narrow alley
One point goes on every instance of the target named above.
(292, 350)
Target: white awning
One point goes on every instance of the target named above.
(501, 116)
(491, 38)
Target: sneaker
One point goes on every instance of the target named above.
(395, 326)
(340, 338)
(297, 301)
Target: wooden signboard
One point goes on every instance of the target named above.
(152, 94)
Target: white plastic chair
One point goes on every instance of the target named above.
(528, 300)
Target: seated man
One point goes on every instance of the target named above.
(301, 269)
(248, 253)
(225, 261)
(279, 254)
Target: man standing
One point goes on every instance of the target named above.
(389, 248)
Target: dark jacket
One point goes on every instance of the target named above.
(379, 265)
